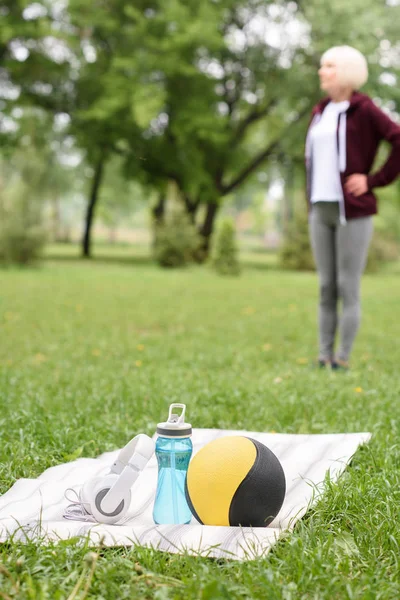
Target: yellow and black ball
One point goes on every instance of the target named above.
(235, 480)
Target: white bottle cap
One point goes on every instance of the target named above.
(175, 427)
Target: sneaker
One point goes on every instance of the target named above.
(321, 364)
(339, 366)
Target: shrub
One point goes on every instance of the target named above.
(224, 254)
(175, 240)
(22, 236)
(382, 249)
(295, 252)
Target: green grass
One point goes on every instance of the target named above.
(93, 352)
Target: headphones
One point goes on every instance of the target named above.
(108, 498)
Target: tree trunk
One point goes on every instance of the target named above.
(159, 209)
(191, 208)
(288, 203)
(94, 193)
(207, 228)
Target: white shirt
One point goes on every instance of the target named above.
(326, 186)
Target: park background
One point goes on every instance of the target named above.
(154, 248)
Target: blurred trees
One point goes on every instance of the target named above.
(202, 93)
(118, 197)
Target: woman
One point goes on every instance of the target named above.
(342, 141)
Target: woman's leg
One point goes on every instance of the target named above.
(322, 232)
(352, 251)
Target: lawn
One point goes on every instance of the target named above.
(93, 352)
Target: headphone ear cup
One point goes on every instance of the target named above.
(98, 493)
(86, 493)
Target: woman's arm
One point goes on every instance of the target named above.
(389, 131)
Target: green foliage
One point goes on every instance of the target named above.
(19, 245)
(186, 90)
(224, 256)
(119, 198)
(175, 240)
(36, 75)
(295, 252)
(22, 194)
(385, 241)
(383, 249)
(22, 236)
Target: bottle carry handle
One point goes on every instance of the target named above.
(174, 418)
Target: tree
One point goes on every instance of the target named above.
(247, 100)
(213, 99)
(201, 93)
(118, 198)
(34, 60)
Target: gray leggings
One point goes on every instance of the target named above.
(340, 253)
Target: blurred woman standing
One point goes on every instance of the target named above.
(342, 141)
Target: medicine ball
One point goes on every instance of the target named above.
(235, 480)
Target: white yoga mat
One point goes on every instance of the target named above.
(35, 508)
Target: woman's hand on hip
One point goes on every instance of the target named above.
(356, 184)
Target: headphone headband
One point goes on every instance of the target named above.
(130, 463)
(141, 444)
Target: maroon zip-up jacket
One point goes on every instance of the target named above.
(366, 127)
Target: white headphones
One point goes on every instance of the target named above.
(108, 498)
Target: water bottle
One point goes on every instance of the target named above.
(173, 450)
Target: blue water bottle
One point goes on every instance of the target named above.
(173, 450)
